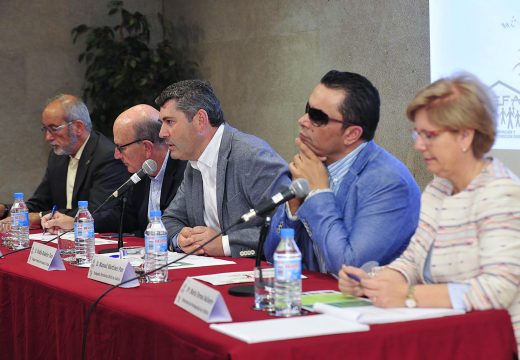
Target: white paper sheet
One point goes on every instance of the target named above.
(288, 328)
(68, 236)
(375, 315)
(195, 261)
(237, 277)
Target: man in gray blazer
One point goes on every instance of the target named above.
(229, 173)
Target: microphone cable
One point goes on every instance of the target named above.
(149, 166)
(94, 304)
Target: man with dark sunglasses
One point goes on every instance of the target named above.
(364, 203)
(81, 165)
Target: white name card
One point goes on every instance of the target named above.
(45, 257)
(112, 271)
(202, 301)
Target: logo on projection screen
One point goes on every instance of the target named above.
(508, 120)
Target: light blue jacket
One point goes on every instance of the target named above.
(372, 217)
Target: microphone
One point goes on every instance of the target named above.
(298, 188)
(148, 168)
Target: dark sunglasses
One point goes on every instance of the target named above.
(319, 118)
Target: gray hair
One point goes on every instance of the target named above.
(148, 129)
(191, 96)
(74, 108)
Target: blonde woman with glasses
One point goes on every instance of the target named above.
(465, 253)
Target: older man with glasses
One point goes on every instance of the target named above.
(81, 166)
(137, 129)
(364, 203)
(136, 138)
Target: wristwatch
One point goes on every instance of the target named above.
(410, 301)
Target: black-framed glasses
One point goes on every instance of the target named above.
(54, 129)
(319, 118)
(120, 148)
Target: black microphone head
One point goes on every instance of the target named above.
(300, 187)
(150, 166)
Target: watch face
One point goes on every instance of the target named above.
(410, 303)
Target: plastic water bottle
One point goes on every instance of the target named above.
(156, 249)
(288, 275)
(19, 223)
(84, 241)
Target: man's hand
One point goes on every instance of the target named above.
(59, 221)
(307, 165)
(186, 243)
(191, 238)
(201, 234)
(34, 220)
(3, 211)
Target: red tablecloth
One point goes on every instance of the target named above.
(42, 314)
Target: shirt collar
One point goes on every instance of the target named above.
(78, 153)
(338, 169)
(160, 175)
(210, 154)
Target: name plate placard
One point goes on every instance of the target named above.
(112, 271)
(202, 301)
(45, 257)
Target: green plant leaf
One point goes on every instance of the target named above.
(122, 68)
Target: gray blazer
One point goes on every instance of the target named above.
(248, 171)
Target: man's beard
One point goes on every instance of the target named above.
(70, 147)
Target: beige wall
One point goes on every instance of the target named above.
(265, 56)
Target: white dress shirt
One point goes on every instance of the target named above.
(207, 165)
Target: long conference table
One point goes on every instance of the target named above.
(42, 315)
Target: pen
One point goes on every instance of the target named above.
(352, 276)
(53, 211)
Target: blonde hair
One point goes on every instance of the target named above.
(460, 102)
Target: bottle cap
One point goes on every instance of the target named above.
(155, 213)
(287, 232)
(18, 195)
(82, 203)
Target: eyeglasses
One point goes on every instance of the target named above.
(426, 135)
(120, 148)
(54, 129)
(319, 118)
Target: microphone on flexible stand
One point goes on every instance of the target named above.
(298, 188)
(148, 168)
(249, 290)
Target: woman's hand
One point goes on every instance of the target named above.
(349, 280)
(386, 288)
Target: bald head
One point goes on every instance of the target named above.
(136, 132)
(141, 121)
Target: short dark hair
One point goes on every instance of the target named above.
(191, 96)
(361, 104)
